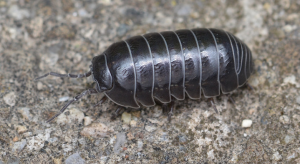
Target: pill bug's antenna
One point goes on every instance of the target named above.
(76, 98)
(87, 74)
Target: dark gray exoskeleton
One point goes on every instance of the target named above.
(157, 66)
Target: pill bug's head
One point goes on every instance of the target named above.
(100, 73)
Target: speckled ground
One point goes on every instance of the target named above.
(63, 36)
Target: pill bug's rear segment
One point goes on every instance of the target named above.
(157, 66)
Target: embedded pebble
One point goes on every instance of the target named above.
(276, 156)
(291, 156)
(291, 80)
(182, 139)
(36, 26)
(37, 142)
(67, 147)
(133, 123)
(157, 111)
(210, 154)
(21, 129)
(206, 113)
(39, 85)
(246, 123)
(122, 29)
(75, 159)
(19, 146)
(298, 100)
(136, 114)
(126, 117)
(284, 119)
(121, 139)
(25, 112)
(155, 121)
(10, 99)
(83, 13)
(51, 59)
(96, 130)
(288, 139)
(183, 10)
(63, 98)
(140, 145)
(87, 120)
(150, 128)
(75, 114)
(17, 13)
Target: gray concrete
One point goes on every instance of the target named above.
(63, 36)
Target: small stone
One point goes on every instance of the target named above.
(83, 13)
(284, 119)
(126, 117)
(25, 112)
(17, 13)
(206, 113)
(63, 98)
(210, 154)
(291, 156)
(276, 156)
(75, 114)
(39, 85)
(87, 120)
(10, 99)
(288, 139)
(75, 158)
(157, 112)
(15, 139)
(37, 142)
(288, 28)
(18, 146)
(155, 121)
(67, 147)
(291, 80)
(21, 129)
(150, 128)
(298, 100)
(130, 136)
(121, 139)
(133, 123)
(57, 160)
(96, 130)
(182, 139)
(246, 123)
(140, 145)
(136, 114)
(183, 10)
(36, 26)
(122, 29)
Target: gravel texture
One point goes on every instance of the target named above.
(63, 36)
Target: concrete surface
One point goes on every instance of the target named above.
(63, 36)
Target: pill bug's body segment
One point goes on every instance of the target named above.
(157, 66)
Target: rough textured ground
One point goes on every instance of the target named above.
(64, 35)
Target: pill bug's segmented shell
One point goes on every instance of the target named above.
(140, 69)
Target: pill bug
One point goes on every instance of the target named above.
(154, 67)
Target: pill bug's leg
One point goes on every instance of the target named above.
(249, 86)
(76, 98)
(103, 99)
(168, 108)
(171, 111)
(118, 112)
(87, 74)
(214, 105)
(231, 99)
